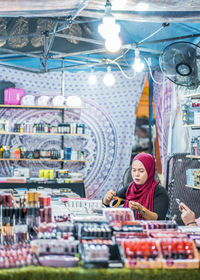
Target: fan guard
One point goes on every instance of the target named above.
(180, 63)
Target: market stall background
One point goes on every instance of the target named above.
(109, 123)
(53, 36)
(49, 48)
(59, 42)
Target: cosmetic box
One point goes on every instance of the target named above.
(13, 96)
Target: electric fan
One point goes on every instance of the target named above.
(180, 63)
(127, 177)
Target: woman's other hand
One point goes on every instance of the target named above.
(146, 214)
(135, 206)
(187, 215)
(109, 196)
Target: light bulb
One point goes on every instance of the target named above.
(113, 44)
(108, 28)
(138, 65)
(73, 101)
(108, 79)
(92, 79)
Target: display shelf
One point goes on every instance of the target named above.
(61, 111)
(78, 188)
(192, 95)
(41, 159)
(192, 125)
(40, 133)
(193, 187)
(39, 107)
(193, 156)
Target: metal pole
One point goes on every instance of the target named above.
(63, 79)
(150, 115)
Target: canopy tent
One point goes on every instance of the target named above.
(44, 36)
(47, 36)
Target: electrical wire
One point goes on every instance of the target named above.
(120, 68)
(122, 71)
(122, 54)
(132, 77)
(151, 74)
(162, 27)
(147, 62)
(136, 44)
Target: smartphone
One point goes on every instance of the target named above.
(178, 200)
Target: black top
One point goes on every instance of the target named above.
(160, 200)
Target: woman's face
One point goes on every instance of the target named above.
(139, 173)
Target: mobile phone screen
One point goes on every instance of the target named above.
(178, 201)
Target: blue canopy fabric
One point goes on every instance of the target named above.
(68, 39)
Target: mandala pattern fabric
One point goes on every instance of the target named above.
(108, 113)
(162, 91)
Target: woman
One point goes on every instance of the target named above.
(144, 195)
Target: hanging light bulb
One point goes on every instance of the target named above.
(92, 78)
(108, 78)
(113, 44)
(108, 28)
(138, 65)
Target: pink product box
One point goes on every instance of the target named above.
(13, 96)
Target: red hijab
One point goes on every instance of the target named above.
(143, 194)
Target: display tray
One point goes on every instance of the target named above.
(115, 259)
(58, 261)
(78, 188)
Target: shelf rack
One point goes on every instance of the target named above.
(62, 109)
(193, 126)
(39, 107)
(193, 156)
(192, 95)
(41, 159)
(40, 133)
(193, 187)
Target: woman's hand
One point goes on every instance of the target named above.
(146, 214)
(135, 206)
(109, 196)
(187, 215)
